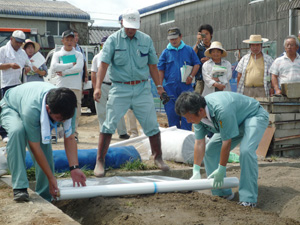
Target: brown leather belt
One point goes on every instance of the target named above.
(134, 82)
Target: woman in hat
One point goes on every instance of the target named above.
(254, 78)
(216, 71)
(36, 74)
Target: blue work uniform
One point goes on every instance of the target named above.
(170, 61)
(200, 55)
(20, 117)
(243, 120)
(129, 59)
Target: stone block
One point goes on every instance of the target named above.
(291, 90)
(284, 117)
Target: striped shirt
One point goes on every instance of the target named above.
(242, 66)
(286, 70)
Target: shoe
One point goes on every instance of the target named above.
(124, 136)
(228, 197)
(21, 195)
(76, 139)
(53, 140)
(5, 140)
(247, 204)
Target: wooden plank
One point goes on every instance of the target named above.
(286, 138)
(265, 142)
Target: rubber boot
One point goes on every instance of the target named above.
(104, 141)
(155, 144)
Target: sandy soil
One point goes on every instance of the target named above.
(278, 201)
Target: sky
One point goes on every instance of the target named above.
(106, 13)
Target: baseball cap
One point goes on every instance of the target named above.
(19, 36)
(67, 33)
(131, 19)
(104, 39)
(173, 33)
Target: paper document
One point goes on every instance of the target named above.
(87, 85)
(68, 59)
(38, 60)
(185, 71)
(218, 71)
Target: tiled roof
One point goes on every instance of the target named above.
(97, 33)
(39, 8)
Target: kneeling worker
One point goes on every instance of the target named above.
(234, 118)
(28, 112)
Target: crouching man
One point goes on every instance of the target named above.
(234, 118)
(28, 112)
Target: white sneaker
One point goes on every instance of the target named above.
(247, 204)
(5, 140)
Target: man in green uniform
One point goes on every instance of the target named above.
(234, 118)
(27, 113)
(132, 58)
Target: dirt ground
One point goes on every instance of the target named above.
(278, 200)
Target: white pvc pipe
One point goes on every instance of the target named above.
(139, 138)
(142, 188)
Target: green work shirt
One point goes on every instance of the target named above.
(27, 100)
(228, 111)
(129, 58)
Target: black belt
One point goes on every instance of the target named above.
(107, 83)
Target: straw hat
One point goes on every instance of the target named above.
(215, 45)
(255, 39)
(36, 45)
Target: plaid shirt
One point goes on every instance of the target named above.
(242, 66)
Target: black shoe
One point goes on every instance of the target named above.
(124, 136)
(21, 195)
(76, 139)
(53, 140)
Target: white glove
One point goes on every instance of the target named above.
(196, 172)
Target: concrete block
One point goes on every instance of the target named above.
(285, 143)
(286, 133)
(284, 117)
(291, 90)
(281, 108)
(291, 153)
(287, 125)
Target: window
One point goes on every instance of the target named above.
(56, 28)
(167, 16)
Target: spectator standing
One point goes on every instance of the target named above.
(286, 68)
(36, 74)
(254, 77)
(173, 59)
(204, 37)
(13, 63)
(105, 87)
(84, 74)
(67, 64)
(216, 71)
(133, 58)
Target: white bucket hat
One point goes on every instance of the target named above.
(131, 19)
(255, 39)
(215, 45)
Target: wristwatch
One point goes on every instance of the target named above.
(191, 76)
(158, 86)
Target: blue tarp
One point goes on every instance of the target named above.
(115, 157)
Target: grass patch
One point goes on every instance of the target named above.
(136, 165)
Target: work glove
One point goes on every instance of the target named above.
(218, 176)
(196, 172)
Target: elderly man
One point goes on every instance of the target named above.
(132, 58)
(176, 57)
(286, 68)
(234, 119)
(27, 113)
(12, 61)
(254, 77)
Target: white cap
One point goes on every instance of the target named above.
(131, 19)
(19, 36)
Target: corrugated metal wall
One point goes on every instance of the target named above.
(233, 21)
